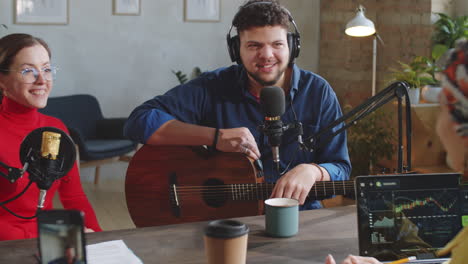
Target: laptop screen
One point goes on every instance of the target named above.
(407, 214)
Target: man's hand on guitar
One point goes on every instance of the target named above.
(238, 140)
(297, 182)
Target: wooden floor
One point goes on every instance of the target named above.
(108, 200)
(107, 197)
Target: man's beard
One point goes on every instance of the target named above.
(264, 83)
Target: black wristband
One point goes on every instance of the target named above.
(215, 140)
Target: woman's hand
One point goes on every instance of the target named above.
(353, 260)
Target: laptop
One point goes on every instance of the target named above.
(409, 215)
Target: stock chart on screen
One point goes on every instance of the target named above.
(406, 214)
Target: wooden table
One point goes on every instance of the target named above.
(321, 232)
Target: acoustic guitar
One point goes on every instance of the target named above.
(173, 184)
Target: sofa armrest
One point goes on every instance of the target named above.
(110, 128)
(77, 136)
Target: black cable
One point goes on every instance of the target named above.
(2, 204)
(290, 162)
(299, 147)
(19, 216)
(294, 112)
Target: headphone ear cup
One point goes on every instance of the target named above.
(294, 46)
(229, 46)
(297, 44)
(233, 48)
(291, 47)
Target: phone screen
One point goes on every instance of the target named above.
(61, 237)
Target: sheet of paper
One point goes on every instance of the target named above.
(111, 252)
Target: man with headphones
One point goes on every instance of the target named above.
(221, 108)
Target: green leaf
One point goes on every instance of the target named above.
(180, 76)
(438, 50)
(448, 30)
(196, 72)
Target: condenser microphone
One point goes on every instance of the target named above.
(272, 102)
(50, 153)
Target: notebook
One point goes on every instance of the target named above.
(408, 214)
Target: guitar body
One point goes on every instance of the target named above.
(172, 184)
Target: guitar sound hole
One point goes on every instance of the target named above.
(214, 193)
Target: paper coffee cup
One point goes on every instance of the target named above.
(226, 242)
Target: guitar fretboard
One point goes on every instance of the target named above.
(259, 191)
(262, 191)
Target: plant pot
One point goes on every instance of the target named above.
(430, 93)
(413, 94)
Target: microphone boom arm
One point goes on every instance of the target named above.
(13, 173)
(395, 90)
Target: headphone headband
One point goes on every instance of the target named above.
(294, 39)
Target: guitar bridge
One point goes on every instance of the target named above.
(174, 189)
(174, 197)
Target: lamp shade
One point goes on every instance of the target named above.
(360, 26)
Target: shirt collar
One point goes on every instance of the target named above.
(295, 76)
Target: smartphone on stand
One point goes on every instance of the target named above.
(61, 237)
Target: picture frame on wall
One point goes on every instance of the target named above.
(202, 10)
(41, 12)
(127, 7)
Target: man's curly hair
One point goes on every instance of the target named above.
(260, 15)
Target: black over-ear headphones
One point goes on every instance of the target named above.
(294, 39)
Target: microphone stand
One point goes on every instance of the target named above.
(13, 173)
(395, 90)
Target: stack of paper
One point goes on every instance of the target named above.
(111, 252)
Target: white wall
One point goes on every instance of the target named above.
(125, 60)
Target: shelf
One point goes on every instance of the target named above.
(433, 169)
(425, 105)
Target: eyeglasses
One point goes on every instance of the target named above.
(30, 75)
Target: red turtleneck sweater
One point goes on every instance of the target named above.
(16, 121)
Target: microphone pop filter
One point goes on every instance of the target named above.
(44, 170)
(272, 101)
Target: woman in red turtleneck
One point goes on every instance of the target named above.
(25, 82)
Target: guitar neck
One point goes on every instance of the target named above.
(262, 191)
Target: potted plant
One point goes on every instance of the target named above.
(370, 140)
(417, 73)
(447, 31)
(421, 71)
(182, 77)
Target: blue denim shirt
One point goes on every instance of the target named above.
(220, 98)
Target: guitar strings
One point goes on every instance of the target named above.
(259, 185)
(242, 191)
(251, 187)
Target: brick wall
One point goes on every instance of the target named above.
(346, 62)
